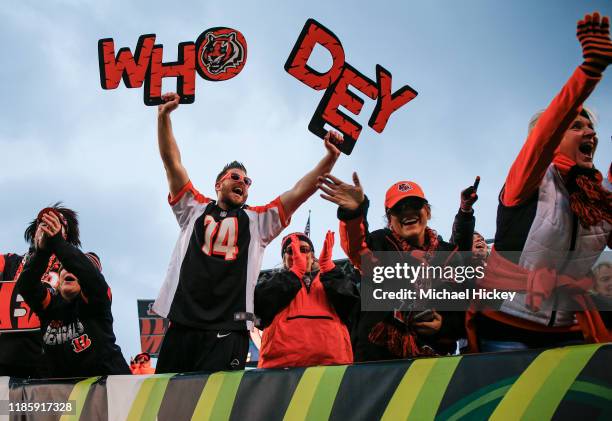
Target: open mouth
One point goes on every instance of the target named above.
(409, 221)
(238, 191)
(587, 149)
(70, 278)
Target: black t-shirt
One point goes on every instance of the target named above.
(78, 338)
(216, 262)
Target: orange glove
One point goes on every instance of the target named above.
(325, 259)
(298, 265)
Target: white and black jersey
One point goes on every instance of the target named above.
(216, 261)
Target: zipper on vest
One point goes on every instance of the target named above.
(553, 315)
(309, 317)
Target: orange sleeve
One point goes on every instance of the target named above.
(537, 153)
(187, 188)
(353, 234)
(278, 204)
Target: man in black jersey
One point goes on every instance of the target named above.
(208, 290)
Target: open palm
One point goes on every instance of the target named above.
(345, 195)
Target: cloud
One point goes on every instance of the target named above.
(63, 137)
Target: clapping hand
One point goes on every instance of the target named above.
(325, 259)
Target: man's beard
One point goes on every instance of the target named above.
(230, 204)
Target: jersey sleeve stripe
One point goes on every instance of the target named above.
(276, 203)
(187, 188)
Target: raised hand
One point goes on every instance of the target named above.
(51, 224)
(298, 260)
(325, 258)
(48, 226)
(333, 138)
(469, 196)
(345, 195)
(171, 103)
(593, 32)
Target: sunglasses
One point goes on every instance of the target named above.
(409, 204)
(303, 250)
(237, 177)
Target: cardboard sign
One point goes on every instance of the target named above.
(218, 54)
(152, 328)
(336, 83)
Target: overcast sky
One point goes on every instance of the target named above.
(481, 69)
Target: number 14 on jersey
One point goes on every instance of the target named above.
(220, 237)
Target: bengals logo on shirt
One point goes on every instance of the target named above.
(81, 343)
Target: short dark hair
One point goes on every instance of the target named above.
(72, 225)
(231, 166)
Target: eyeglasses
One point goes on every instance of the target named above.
(237, 177)
(303, 250)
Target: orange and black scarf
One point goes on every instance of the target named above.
(392, 333)
(589, 200)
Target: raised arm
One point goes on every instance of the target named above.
(538, 151)
(29, 284)
(352, 212)
(92, 283)
(463, 225)
(341, 292)
(33, 291)
(307, 185)
(168, 149)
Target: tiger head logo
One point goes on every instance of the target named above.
(404, 187)
(222, 55)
